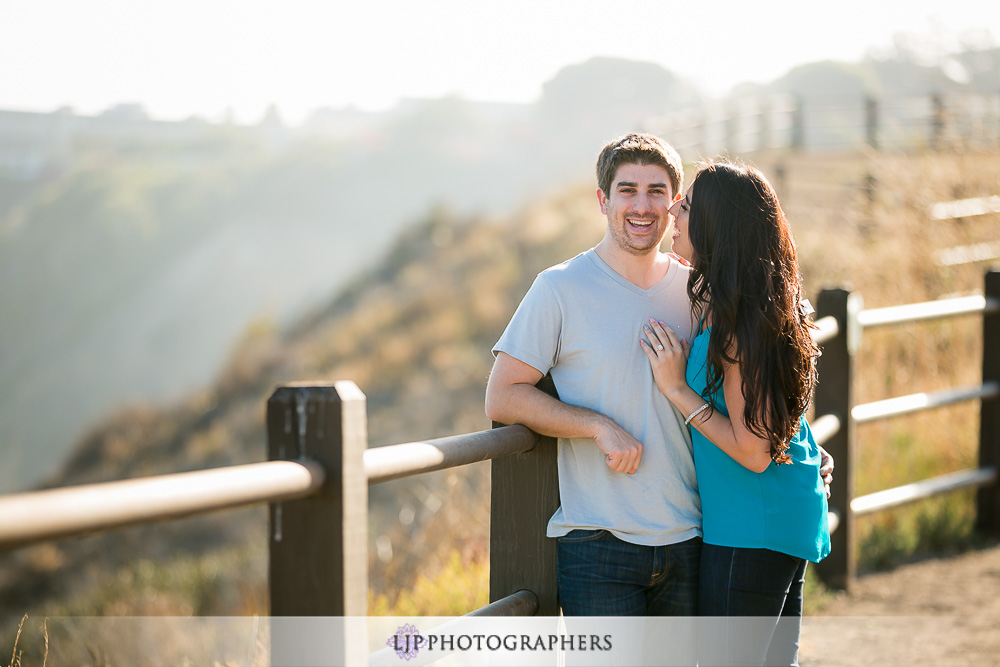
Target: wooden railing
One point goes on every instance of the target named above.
(841, 313)
(317, 485)
(320, 469)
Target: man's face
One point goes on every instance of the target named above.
(638, 207)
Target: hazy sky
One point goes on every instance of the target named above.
(186, 57)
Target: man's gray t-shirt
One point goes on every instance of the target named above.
(581, 322)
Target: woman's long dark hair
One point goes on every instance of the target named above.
(745, 278)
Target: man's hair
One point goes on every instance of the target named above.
(637, 148)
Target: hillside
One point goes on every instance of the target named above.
(414, 333)
(120, 243)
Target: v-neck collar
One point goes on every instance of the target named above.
(662, 284)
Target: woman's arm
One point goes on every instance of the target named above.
(730, 435)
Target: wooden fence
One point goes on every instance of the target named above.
(320, 468)
(843, 319)
(834, 122)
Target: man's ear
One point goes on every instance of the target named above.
(602, 201)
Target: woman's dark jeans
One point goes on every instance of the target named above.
(601, 575)
(758, 583)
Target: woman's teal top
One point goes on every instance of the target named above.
(783, 508)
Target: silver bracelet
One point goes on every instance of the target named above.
(696, 413)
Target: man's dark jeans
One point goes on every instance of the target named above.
(601, 575)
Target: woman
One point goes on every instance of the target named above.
(744, 384)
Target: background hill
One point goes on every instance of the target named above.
(414, 332)
(133, 252)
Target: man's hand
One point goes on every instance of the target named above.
(826, 469)
(513, 398)
(622, 452)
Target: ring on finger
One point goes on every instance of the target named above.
(659, 347)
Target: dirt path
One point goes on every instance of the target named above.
(939, 611)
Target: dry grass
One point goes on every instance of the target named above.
(125, 641)
(17, 656)
(886, 249)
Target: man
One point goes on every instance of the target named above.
(630, 522)
(629, 527)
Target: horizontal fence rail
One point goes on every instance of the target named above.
(521, 603)
(928, 310)
(832, 521)
(43, 515)
(964, 208)
(826, 328)
(903, 405)
(383, 464)
(908, 493)
(825, 427)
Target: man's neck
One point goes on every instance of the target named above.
(643, 271)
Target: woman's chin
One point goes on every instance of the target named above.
(680, 256)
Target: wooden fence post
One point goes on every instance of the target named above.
(319, 545)
(869, 187)
(524, 495)
(701, 146)
(764, 138)
(798, 140)
(937, 123)
(988, 497)
(781, 179)
(834, 395)
(731, 127)
(871, 121)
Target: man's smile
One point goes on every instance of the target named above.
(639, 223)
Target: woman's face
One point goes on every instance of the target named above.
(680, 241)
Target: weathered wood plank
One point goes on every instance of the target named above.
(319, 545)
(834, 396)
(525, 494)
(988, 498)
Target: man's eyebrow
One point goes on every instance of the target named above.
(633, 184)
